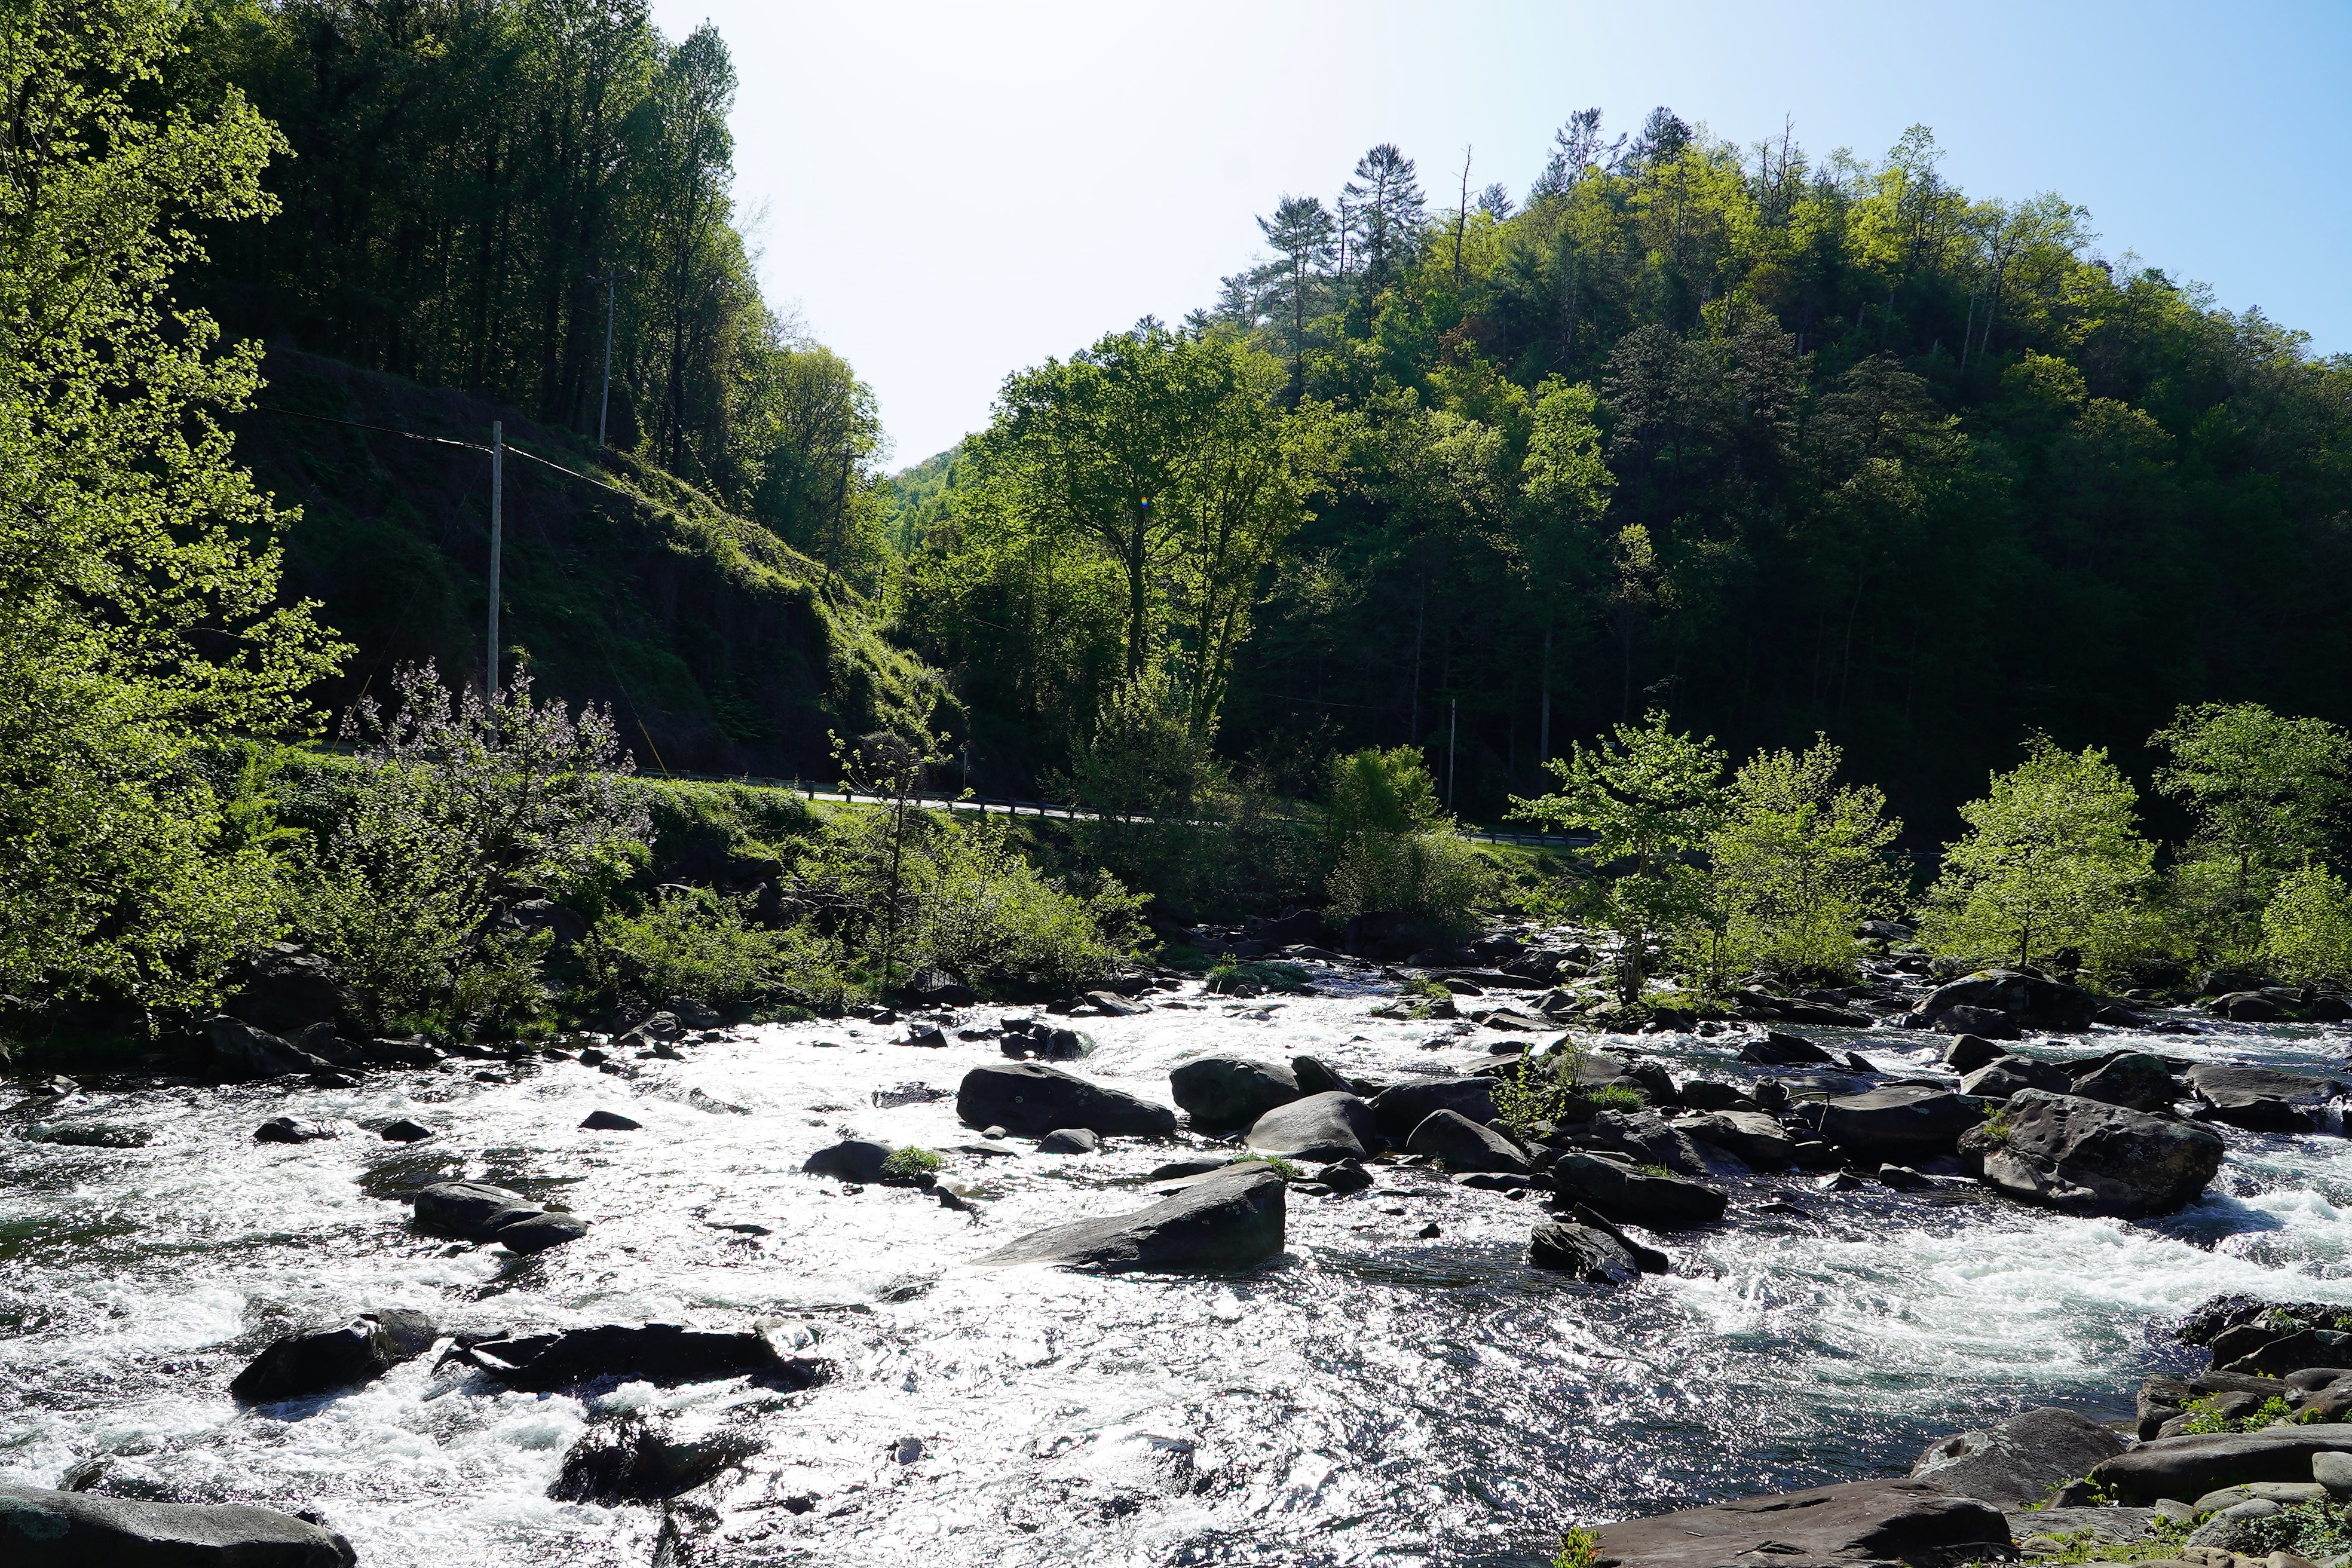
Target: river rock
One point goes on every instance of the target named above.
(45, 1529)
(2082, 1157)
(1029, 1099)
(1313, 1076)
(1705, 1094)
(1344, 1176)
(295, 1129)
(1779, 1050)
(401, 1129)
(2001, 1078)
(1635, 1197)
(1902, 1121)
(2264, 1099)
(1327, 1126)
(479, 1212)
(601, 1120)
(1464, 1145)
(236, 1051)
(1397, 1111)
(638, 1460)
(1218, 1223)
(665, 1354)
(2028, 1000)
(1967, 1053)
(288, 988)
(2019, 1461)
(2192, 1467)
(2334, 1471)
(1750, 1136)
(361, 1350)
(2163, 1398)
(1874, 1522)
(1581, 1252)
(2133, 1079)
(1070, 1140)
(1231, 1090)
(851, 1160)
(1647, 1137)
(2305, 1347)
(1979, 1023)
(539, 1232)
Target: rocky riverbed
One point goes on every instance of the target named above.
(1396, 1384)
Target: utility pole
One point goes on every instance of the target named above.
(610, 278)
(497, 485)
(1452, 730)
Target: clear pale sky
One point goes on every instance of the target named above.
(946, 193)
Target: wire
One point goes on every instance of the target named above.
(379, 429)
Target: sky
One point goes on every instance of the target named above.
(947, 193)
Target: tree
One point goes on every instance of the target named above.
(1383, 208)
(138, 565)
(1392, 847)
(2268, 793)
(1305, 235)
(1650, 797)
(2307, 927)
(1798, 861)
(2051, 850)
(1564, 494)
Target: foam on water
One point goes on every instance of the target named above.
(1373, 1396)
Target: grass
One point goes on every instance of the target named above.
(910, 1164)
(1284, 1168)
(2164, 1539)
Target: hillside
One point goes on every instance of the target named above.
(720, 649)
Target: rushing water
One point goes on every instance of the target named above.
(1372, 1397)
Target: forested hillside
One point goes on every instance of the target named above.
(1778, 443)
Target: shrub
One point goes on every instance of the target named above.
(1578, 1548)
(910, 1162)
(985, 912)
(1231, 978)
(1393, 849)
(688, 943)
(1282, 1167)
(2307, 927)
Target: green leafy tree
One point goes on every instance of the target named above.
(1650, 797)
(2048, 852)
(1392, 847)
(2307, 927)
(1797, 860)
(138, 565)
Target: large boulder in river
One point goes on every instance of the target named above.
(2264, 1099)
(1582, 1252)
(479, 1212)
(1397, 1111)
(1030, 1100)
(361, 1350)
(636, 1459)
(1230, 1220)
(1874, 1522)
(1750, 1136)
(665, 1354)
(45, 1529)
(2086, 1158)
(1230, 1092)
(1902, 1121)
(851, 1160)
(2017, 1462)
(236, 1051)
(2133, 1079)
(2004, 1076)
(1647, 1137)
(1322, 1127)
(1635, 1197)
(2027, 1001)
(1461, 1144)
(288, 988)
(2285, 1353)
(2192, 1467)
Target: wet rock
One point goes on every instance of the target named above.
(1779, 1050)
(851, 1160)
(2163, 1399)
(2264, 1099)
(1630, 1196)
(475, 1211)
(1463, 1145)
(638, 1460)
(1031, 1100)
(88, 1135)
(294, 1129)
(2082, 1157)
(417, 1054)
(1748, 1136)
(2133, 1079)
(1070, 1140)
(2192, 1467)
(1647, 1137)
(45, 1529)
(1967, 1053)
(601, 1120)
(2028, 1000)
(236, 1051)
(1704, 1094)
(926, 1036)
(1396, 1112)
(1312, 1077)
(1344, 1176)
(2305, 1347)
(1902, 1121)
(1329, 1126)
(1580, 1252)
(1231, 1090)
(1875, 1523)
(288, 988)
(1985, 1023)
(2019, 1461)
(1220, 1222)
(360, 1352)
(663, 1353)
(1179, 1170)
(2004, 1076)
(936, 987)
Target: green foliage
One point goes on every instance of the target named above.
(1578, 1548)
(1286, 1170)
(990, 915)
(1536, 1092)
(687, 942)
(2313, 1531)
(1613, 1097)
(1393, 851)
(1232, 978)
(2307, 928)
(2048, 852)
(910, 1164)
(1650, 797)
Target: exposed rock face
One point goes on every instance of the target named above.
(1902, 1121)
(1397, 1111)
(1464, 1145)
(1327, 1126)
(1779, 1050)
(1874, 1522)
(2192, 1467)
(1227, 1221)
(1749, 1135)
(2264, 1099)
(360, 1352)
(1967, 1053)
(236, 1051)
(1030, 1101)
(45, 1529)
(2026, 1000)
(2083, 1157)
(1581, 1252)
(1634, 1197)
(2295, 1353)
(1313, 1076)
(637, 1460)
(2018, 1461)
(657, 1353)
(2004, 1076)
(1979, 1023)
(289, 988)
(479, 1212)
(2132, 1079)
(1231, 1090)
(1648, 1136)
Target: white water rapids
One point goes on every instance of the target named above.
(1371, 1397)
